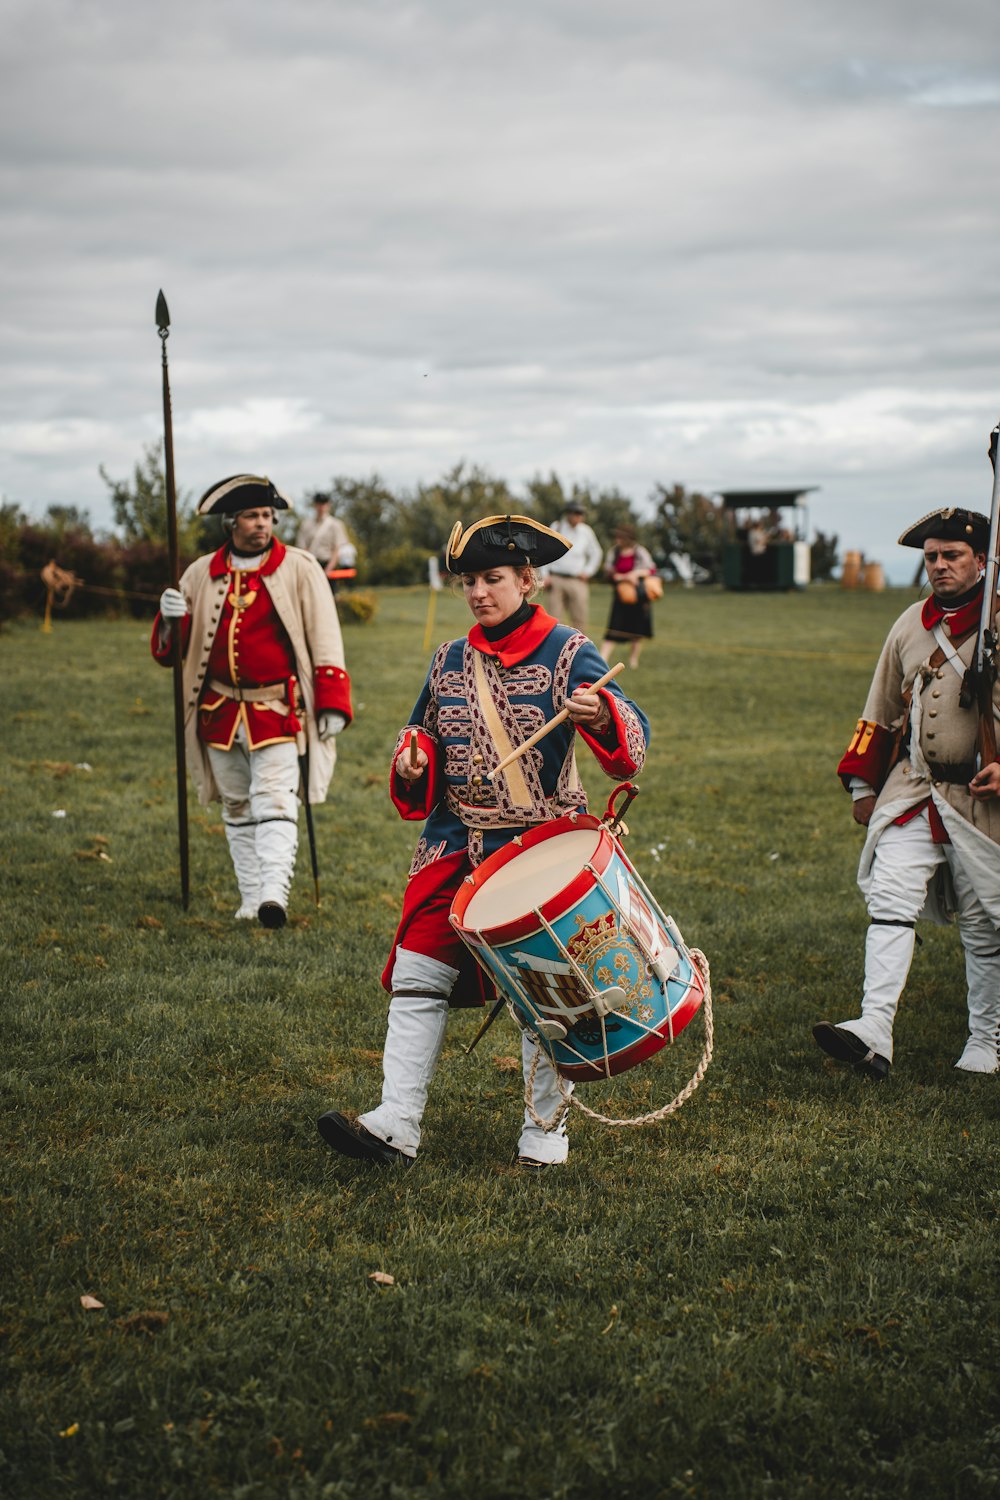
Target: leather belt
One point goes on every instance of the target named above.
(957, 775)
(269, 692)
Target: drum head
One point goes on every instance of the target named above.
(531, 879)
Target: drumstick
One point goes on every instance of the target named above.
(413, 749)
(553, 723)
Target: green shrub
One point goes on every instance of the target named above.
(356, 607)
(396, 567)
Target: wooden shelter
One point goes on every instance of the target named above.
(767, 539)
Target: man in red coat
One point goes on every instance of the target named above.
(264, 681)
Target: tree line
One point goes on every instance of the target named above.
(395, 530)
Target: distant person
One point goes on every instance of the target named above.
(567, 580)
(933, 820)
(756, 574)
(264, 676)
(325, 536)
(627, 566)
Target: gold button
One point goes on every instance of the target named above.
(932, 713)
(477, 781)
(930, 734)
(477, 759)
(936, 693)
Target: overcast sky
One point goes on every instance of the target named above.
(720, 244)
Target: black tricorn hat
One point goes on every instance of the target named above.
(241, 492)
(502, 541)
(950, 524)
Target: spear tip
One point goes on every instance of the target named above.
(162, 312)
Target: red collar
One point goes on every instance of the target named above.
(520, 644)
(219, 566)
(961, 622)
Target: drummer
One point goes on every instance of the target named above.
(484, 695)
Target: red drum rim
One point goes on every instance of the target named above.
(555, 906)
(643, 1048)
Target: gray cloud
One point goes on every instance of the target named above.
(639, 243)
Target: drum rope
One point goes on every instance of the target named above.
(655, 1116)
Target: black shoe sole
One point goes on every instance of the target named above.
(843, 1046)
(272, 915)
(353, 1140)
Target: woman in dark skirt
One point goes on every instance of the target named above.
(627, 565)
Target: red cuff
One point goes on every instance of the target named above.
(868, 756)
(332, 687)
(164, 653)
(611, 749)
(413, 800)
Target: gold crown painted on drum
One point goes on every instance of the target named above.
(949, 524)
(241, 492)
(502, 541)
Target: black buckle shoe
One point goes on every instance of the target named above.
(845, 1047)
(270, 914)
(352, 1139)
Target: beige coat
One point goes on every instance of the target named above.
(942, 731)
(302, 598)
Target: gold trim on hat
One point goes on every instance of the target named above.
(943, 513)
(238, 481)
(459, 539)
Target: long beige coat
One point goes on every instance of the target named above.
(940, 730)
(302, 598)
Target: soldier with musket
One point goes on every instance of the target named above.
(265, 686)
(930, 804)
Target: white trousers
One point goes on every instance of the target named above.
(418, 1017)
(260, 810)
(906, 858)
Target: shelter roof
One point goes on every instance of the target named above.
(766, 499)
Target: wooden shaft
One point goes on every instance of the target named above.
(177, 661)
(560, 718)
(413, 748)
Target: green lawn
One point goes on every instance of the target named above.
(788, 1289)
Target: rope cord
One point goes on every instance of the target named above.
(657, 1115)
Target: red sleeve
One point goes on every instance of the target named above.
(416, 800)
(869, 755)
(621, 750)
(164, 653)
(332, 687)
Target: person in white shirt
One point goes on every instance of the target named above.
(566, 580)
(325, 536)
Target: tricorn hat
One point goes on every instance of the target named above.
(502, 541)
(950, 524)
(241, 492)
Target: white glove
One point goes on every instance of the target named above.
(173, 605)
(330, 723)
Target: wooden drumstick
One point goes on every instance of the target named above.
(560, 718)
(413, 749)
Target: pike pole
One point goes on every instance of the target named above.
(177, 662)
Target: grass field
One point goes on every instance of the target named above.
(789, 1289)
